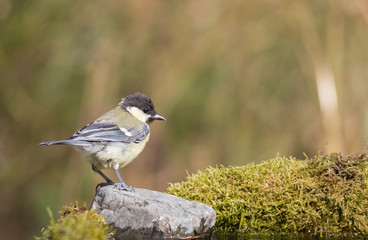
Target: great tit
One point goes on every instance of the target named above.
(117, 137)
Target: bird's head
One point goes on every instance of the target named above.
(141, 107)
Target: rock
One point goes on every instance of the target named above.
(145, 213)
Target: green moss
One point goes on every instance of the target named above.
(76, 222)
(322, 195)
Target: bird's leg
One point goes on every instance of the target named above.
(108, 180)
(121, 185)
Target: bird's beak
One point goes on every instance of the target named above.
(159, 117)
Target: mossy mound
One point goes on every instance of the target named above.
(76, 222)
(322, 195)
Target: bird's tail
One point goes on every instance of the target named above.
(64, 142)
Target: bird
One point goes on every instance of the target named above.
(116, 138)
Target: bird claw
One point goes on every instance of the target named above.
(119, 186)
(122, 186)
(103, 184)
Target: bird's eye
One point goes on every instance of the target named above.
(145, 110)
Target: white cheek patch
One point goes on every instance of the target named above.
(125, 131)
(136, 112)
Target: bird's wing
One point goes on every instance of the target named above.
(105, 131)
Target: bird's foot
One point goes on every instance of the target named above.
(104, 184)
(119, 186)
(123, 186)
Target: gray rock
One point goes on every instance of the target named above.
(144, 213)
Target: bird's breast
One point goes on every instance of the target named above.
(120, 153)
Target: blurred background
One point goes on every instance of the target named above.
(238, 81)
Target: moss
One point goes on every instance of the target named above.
(322, 195)
(76, 222)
